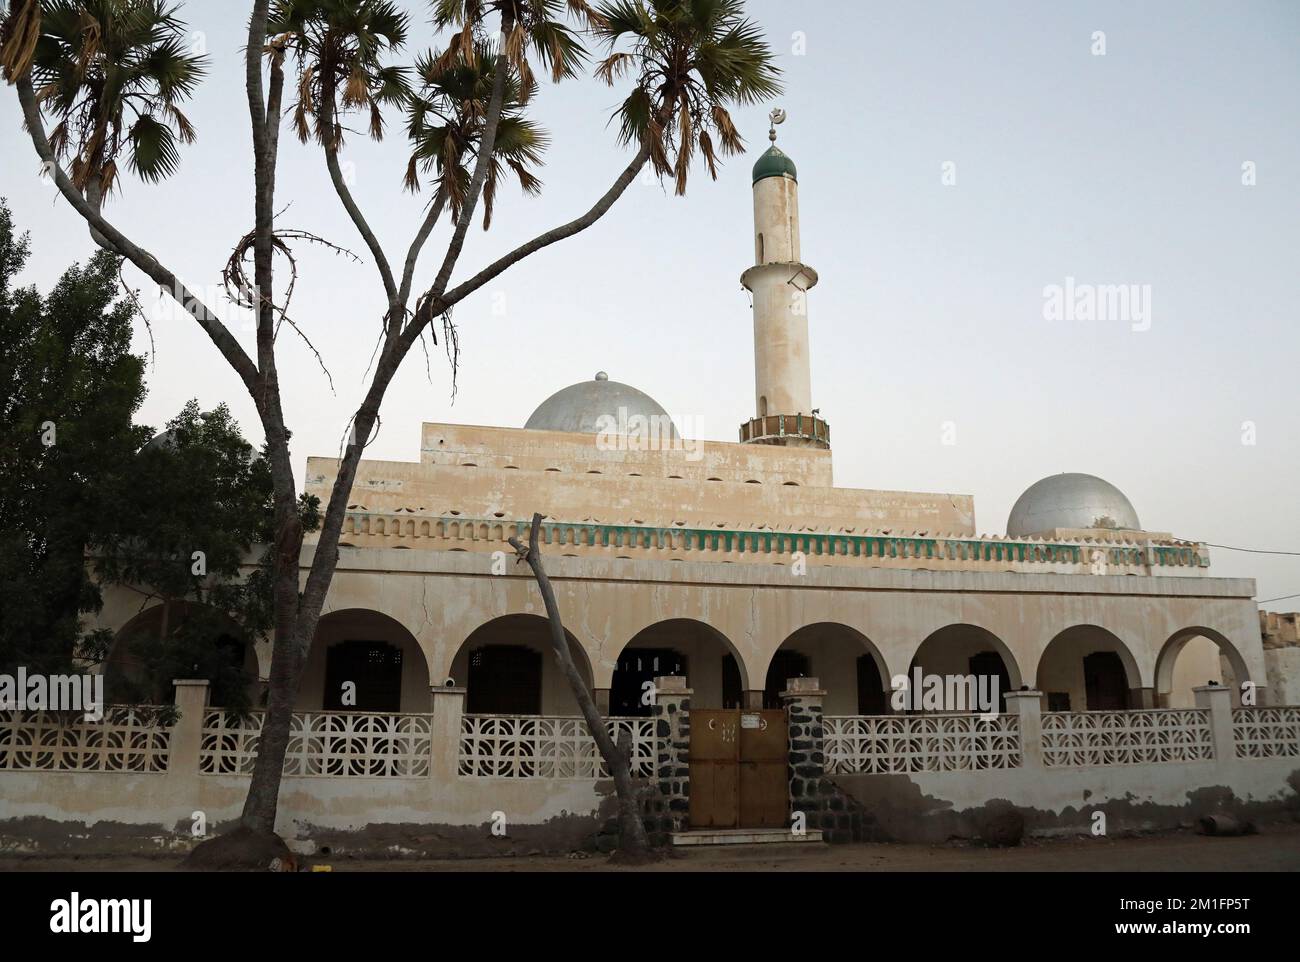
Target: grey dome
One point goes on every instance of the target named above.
(1071, 501)
(590, 407)
(167, 439)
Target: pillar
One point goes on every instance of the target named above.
(1139, 698)
(1029, 706)
(671, 812)
(1218, 700)
(182, 778)
(601, 697)
(448, 707)
(752, 700)
(810, 789)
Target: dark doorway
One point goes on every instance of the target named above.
(373, 667)
(872, 697)
(732, 693)
(504, 680)
(989, 664)
(1105, 683)
(785, 665)
(636, 666)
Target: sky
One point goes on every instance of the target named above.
(956, 162)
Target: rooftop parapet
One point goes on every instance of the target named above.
(917, 550)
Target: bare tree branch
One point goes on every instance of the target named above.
(253, 75)
(633, 840)
(417, 244)
(350, 205)
(429, 307)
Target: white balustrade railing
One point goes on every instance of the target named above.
(130, 739)
(321, 744)
(1086, 738)
(1266, 732)
(126, 739)
(887, 744)
(532, 746)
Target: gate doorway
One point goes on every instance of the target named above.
(1105, 683)
(738, 768)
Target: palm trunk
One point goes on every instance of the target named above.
(632, 839)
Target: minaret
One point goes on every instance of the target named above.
(779, 283)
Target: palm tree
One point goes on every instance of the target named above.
(524, 24)
(691, 59)
(339, 45)
(112, 73)
(445, 126)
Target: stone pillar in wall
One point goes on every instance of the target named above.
(1218, 700)
(670, 811)
(1029, 706)
(1139, 698)
(191, 703)
(184, 787)
(810, 789)
(448, 707)
(601, 697)
(752, 700)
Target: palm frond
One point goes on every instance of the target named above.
(690, 61)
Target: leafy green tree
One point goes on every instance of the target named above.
(87, 499)
(191, 538)
(69, 386)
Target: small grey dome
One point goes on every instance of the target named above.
(1071, 501)
(167, 439)
(600, 405)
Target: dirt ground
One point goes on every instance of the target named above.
(1276, 849)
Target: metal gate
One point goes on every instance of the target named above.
(738, 769)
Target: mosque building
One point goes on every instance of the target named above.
(741, 564)
(748, 624)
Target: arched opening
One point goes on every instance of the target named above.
(508, 667)
(762, 405)
(362, 660)
(847, 665)
(961, 667)
(679, 646)
(1087, 668)
(1195, 656)
(181, 640)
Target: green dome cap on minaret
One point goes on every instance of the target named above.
(774, 163)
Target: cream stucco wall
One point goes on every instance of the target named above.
(441, 598)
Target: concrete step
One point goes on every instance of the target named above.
(744, 836)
